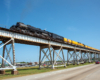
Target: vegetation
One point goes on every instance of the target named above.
(34, 70)
(22, 62)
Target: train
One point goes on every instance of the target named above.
(33, 31)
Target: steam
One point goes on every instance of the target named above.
(28, 8)
(8, 5)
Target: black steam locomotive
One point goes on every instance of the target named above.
(28, 29)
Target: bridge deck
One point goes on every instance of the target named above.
(6, 34)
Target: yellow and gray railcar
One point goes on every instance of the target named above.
(74, 43)
(68, 41)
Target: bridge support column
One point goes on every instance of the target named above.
(2, 72)
(68, 58)
(6, 54)
(44, 50)
(3, 65)
(11, 43)
(74, 57)
(99, 56)
(40, 58)
(63, 58)
(78, 57)
(47, 51)
(89, 57)
(58, 56)
(13, 49)
(85, 57)
(71, 57)
(81, 58)
(82, 62)
(94, 56)
(51, 57)
(14, 72)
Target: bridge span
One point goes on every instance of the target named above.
(74, 53)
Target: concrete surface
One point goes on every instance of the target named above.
(87, 72)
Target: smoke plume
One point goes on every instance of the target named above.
(28, 8)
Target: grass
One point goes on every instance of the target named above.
(34, 70)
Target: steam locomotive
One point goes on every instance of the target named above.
(28, 29)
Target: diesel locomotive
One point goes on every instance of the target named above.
(33, 31)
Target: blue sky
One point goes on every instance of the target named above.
(77, 20)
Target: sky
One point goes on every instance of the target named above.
(78, 20)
